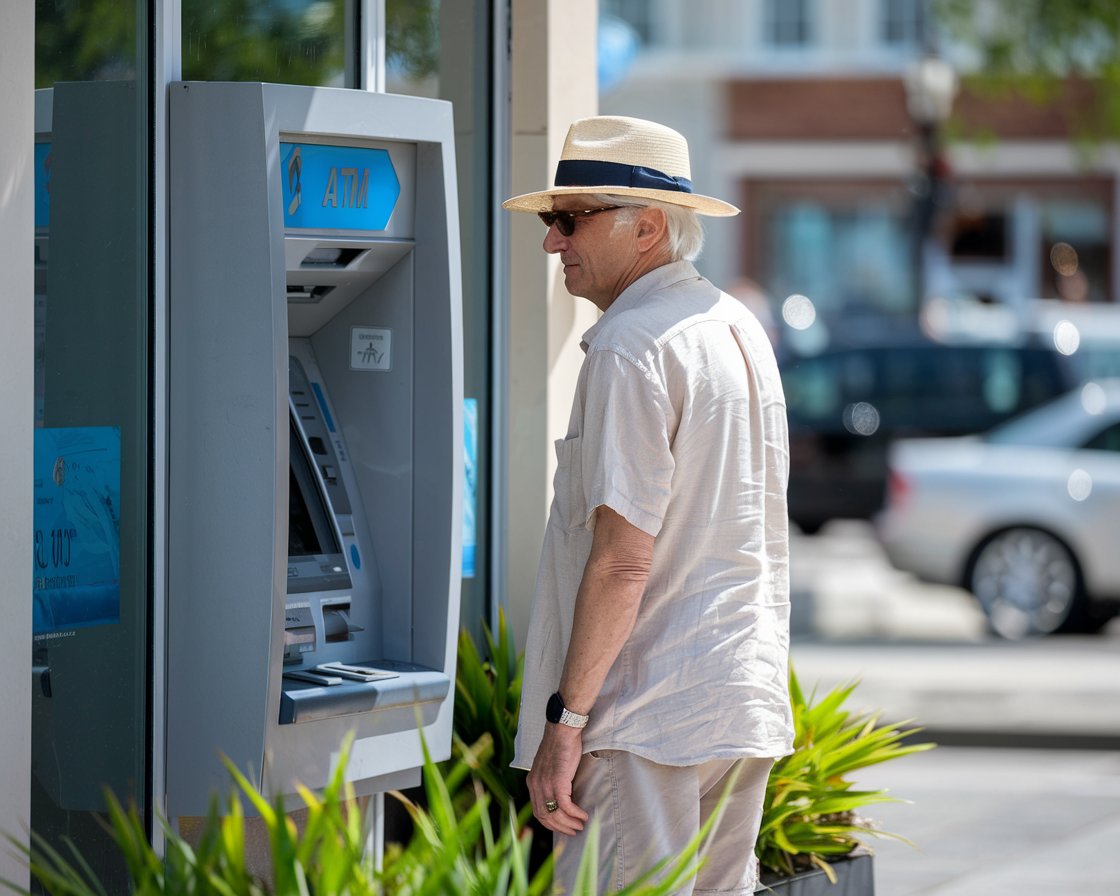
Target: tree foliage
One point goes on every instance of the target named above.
(283, 41)
(265, 40)
(84, 41)
(1035, 47)
(223, 40)
(412, 37)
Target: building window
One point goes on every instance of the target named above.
(1074, 258)
(843, 248)
(902, 23)
(787, 23)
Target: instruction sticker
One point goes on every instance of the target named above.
(371, 348)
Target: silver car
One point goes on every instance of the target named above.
(1025, 516)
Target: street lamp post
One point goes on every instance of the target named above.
(931, 86)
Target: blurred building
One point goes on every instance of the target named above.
(798, 111)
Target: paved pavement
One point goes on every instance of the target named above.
(1060, 695)
(999, 822)
(922, 652)
(1022, 796)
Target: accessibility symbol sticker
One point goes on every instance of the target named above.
(371, 348)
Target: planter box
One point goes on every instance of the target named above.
(854, 877)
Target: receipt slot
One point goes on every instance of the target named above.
(315, 406)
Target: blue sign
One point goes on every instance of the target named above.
(470, 484)
(337, 187)
(77, 545)
(42, 186)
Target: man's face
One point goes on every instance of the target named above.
(600, 256)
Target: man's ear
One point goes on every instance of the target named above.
(653, 224)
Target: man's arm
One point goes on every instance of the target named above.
(610, 593)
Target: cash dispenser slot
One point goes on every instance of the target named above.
(324, 275)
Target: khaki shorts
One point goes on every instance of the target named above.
(647, 812)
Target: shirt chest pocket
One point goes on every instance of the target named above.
(569, 501)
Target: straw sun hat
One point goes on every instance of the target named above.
(623, 157)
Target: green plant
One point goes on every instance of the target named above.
(487, 702)
(811, 810)
(453, 852)
(471, 836)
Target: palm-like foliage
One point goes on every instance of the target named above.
(487, 702)
(811, 811)
(454, 851)
(471, 838)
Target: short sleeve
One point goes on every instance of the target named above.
(625, 453)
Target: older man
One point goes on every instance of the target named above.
(656, 663)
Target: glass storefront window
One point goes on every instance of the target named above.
(282, 41)
(413, 48)
(422, 61)
(91, 41)
(91, 723)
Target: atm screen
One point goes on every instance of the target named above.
(315, 560)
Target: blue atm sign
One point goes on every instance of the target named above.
(337, 187)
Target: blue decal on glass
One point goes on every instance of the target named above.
(42, 186)
(337, 187)
(355, 557)
(77, 545)
(470, 483)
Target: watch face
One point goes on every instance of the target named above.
(553, 708)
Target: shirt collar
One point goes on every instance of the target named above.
(634, 294)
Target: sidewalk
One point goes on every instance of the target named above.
(1055, 692)
(922, 652)
(998, 822)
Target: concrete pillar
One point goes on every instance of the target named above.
(553, 78)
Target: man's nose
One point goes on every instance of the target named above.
(554, 240)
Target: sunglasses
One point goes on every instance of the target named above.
(566, 221)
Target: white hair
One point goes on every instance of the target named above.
(685, 231)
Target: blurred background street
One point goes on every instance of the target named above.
(1022, 795)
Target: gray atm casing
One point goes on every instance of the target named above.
(243, 335)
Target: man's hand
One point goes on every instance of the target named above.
(550, 779)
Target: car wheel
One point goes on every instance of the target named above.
(1028, 583)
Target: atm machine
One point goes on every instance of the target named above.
(315, 407)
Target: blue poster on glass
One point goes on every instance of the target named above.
(77, 556)
(470, 482)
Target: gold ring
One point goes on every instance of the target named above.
(551, 805)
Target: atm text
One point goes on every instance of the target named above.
(345, 190)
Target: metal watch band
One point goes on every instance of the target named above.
(573, 719)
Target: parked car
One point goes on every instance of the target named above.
(1025, 516)
(848, 403)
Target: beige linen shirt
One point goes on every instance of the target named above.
(679, 425)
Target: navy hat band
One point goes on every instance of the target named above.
(589, 173)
